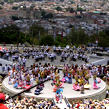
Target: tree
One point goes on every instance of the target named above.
(0, 7)
(58, 40)
(71, 10)
(2, 3)
(82, 37)
(47, 40)
(103, 4)
(78, 37)
(103, 39)
(40, 8)
(15, 18)
(43, 13)
(72, 36)
(11, 1)
(35, 30)
(106, 32)
(15, 7)
(67, 9)
(72, 2)
(92, 38)
(80, 9)
(50, 15)
(70, 26)
(12, 34)
(61, 43)
(58, 8)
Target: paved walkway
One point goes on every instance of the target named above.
(3, 62)
(57, 62)
(61, 105)
(93, 58)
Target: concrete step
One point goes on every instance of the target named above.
(61, 105)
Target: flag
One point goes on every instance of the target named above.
(62, 36)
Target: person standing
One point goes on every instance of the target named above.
(60, 97)
(11, 46)
(54, 48)
(7, 55)
(24, 61)
(82, 89)
(0, 68)
(2, 99)
(31, 80)
(57, 97)
(107, 93)
(6, 68)
(19, 60)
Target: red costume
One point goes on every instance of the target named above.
(2, 106)
(57, 97)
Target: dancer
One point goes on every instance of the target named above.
(57, 97)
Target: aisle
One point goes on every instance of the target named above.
(61, 105)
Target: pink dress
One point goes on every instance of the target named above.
(95, 86)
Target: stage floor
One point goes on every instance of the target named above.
(68, 91)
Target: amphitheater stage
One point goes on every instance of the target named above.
(68, 91)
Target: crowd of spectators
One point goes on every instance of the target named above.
(25, 102)
(90, 104)
(34, 103)
(19, 72)
(30, 103)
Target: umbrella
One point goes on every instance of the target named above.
(3, 48)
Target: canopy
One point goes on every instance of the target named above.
(3, 48)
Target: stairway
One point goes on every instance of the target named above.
(61, 105)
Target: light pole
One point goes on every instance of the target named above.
(97, 34)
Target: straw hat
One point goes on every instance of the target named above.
(92, 104)
(18, 105)
(87, 103)
(38, 103)
(106, 104)
(31, 107)
(98, 66)
(103, 65)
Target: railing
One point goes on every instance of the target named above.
(3, 74)
(54, 101)
(67, 102)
